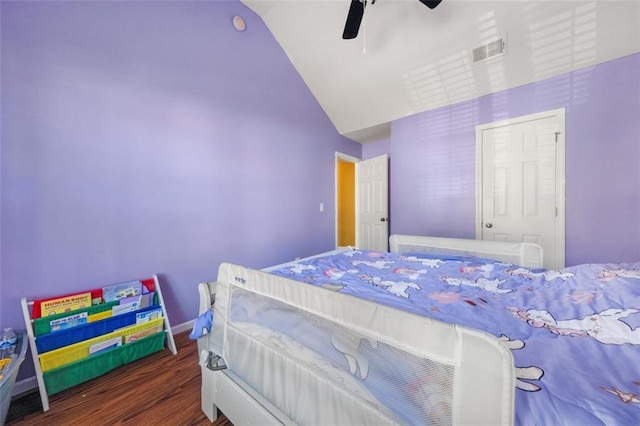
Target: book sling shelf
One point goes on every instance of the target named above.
(77, 337)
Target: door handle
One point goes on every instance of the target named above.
(383, 219)
(489, 225)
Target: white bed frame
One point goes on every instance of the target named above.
(242, 405)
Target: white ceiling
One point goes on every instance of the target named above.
(408, 58)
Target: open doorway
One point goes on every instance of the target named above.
(345, 200)
(362, 202)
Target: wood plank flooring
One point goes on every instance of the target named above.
(161, 389)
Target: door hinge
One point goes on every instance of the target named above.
(556, 212)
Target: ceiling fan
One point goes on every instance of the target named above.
(356, 12)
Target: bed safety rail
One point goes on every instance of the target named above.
(529, 255)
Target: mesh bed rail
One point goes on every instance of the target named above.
(529, 255)
(291, 342)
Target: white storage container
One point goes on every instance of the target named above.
(9, 375)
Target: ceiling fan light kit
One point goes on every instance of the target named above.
(356, 13)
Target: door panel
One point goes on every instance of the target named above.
(519, 184)
(372, 204)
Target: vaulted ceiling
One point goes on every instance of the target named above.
(408, 58)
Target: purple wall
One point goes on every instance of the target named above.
(433, 156)
(142, 138)
(374, 149)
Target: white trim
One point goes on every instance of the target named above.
(350, 159)
(24, 386)
(559, 114)
(183, 327)
(561, 187)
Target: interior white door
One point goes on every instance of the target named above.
(372, 204)
(520, 185)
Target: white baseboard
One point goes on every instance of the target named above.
(24, 385)
(183, 327)
(30, 383)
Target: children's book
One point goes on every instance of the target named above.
(104, 345)
(68, 322)
(141, 301)
(147, 316)
(142, 333)
(130, 304)
(65, 304)
(121, 291)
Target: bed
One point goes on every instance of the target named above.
(437, 331)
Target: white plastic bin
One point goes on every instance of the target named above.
(9, 375)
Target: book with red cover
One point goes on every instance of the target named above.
(96, 298)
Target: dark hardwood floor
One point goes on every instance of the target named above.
(161, 389)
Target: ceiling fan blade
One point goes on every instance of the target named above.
(354, 18)
(431, 4)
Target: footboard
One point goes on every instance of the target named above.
(287, 343)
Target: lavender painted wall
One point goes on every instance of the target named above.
(433, 157)
(374, 149)
(142, 138)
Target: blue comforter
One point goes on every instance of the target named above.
(574, 333)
